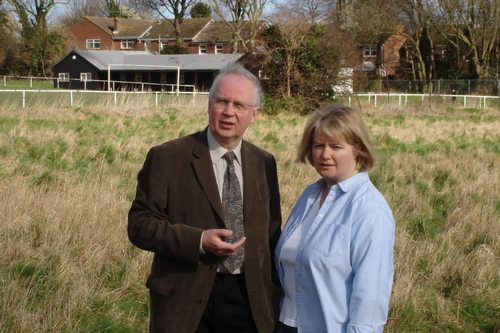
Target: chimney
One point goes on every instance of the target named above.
(117, 24)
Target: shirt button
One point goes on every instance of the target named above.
(330, 198)
(213, 267)
(298, 290)
(202, 301)
(300, 249)
(310, 233)
(300, 310)
(321, 215)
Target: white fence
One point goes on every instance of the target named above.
(465, 100)
(110, 84)
(115, 94)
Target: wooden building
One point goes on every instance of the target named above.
(139, 70)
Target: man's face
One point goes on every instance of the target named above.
(227, 124)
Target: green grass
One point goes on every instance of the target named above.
(68, 175)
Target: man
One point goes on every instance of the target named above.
(204, 278)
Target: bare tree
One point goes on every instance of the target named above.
(78, 9)
(312, 10)
(416, 18)
(474, 23)
(254, 12)
(34, 12)
(178, 8)
(236, 10)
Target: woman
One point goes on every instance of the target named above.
(335, 254)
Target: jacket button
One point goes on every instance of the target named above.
(213, 267)
(202, 301)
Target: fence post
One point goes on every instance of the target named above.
(156, 93)
(115, 96)
(31, 82)
(24, 99)
(71, 97)
(468, 83)
(439, 87)
(5, 81)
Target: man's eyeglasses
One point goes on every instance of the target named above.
(221, 103)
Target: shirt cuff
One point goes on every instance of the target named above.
(201, 251)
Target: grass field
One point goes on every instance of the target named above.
(68, 175)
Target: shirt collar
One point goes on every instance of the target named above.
(217, 151)
(349, 184)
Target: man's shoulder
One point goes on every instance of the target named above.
(257, 151)
(182, 143)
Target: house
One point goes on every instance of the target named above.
(138, 70)
(380, 59)
(217, 38)
(200, 35)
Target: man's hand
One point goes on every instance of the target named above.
(212, 242)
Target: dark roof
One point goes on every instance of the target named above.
(220, 32)
(125, 60)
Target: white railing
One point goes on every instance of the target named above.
(111, 84)
(403, 98)
(114, 93)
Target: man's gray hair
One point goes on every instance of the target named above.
(236, 68)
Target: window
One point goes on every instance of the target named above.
(370, 51)
(85, 77)
(63, 77)
(93, 44)
(203, 48)
(218, 48)
(127, 44)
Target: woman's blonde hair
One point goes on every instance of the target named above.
(339, 123)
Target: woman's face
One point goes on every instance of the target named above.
(334, 161)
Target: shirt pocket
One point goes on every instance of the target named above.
(333, 241)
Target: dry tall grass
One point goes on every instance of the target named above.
(67, 177)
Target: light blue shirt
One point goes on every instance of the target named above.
(344, 265)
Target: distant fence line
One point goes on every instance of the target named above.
(115, 94)
(434, 87)
(464, 100)
(376, 99)
(115, 85)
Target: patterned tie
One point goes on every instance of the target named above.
(232, 205)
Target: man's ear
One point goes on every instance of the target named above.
(255, 113)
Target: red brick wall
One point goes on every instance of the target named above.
(84, 29)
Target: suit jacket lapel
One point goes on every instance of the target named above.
(205, 173)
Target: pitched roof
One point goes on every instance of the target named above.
(125, 60)
(219, 32)
(150, 28)
(128, 27)
(190, 28)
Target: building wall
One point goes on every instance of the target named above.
(75, 67)
(84, 29)
(391, 53)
